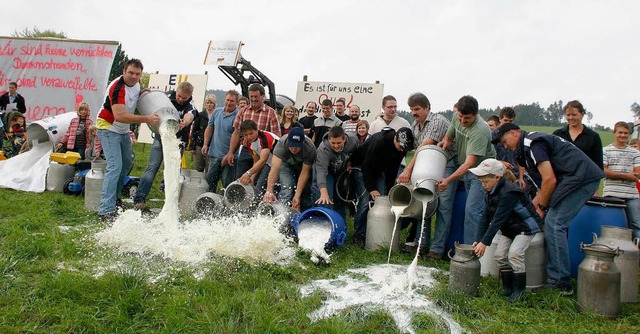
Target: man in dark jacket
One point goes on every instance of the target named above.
(569, 179)
(379, 158)
(12, 97)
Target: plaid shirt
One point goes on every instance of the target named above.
(435, 127)
(266, 118)
(70, 136)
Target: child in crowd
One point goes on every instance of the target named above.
(622, 171)
(362, 129)
(77, 138)
(511, 212)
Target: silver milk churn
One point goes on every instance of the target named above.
(535, 260)
(239, 197)
(58, 174)
(431, 161)
(193, 185)
(282, 214)
(380, 224)
(464, 272)
(157, 102)
(208, 204)
(488, 264)
(93, 185)
(627, 262)
(599, 280)
(402, 195)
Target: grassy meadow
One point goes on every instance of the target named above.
(54, 278)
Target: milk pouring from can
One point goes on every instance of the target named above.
(157, 102)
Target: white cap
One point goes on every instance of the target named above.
(489, 166)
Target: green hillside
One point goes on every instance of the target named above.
(606, 136)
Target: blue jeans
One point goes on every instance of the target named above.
(216, 172)
(243, 163)
(474, 209)
(289, 175)
(155, 160)
(444, 213)
(633, 215)
(119, 154)
(338, 206)
(261, 180)
(556, 226)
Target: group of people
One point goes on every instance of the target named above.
(12, 120)
(517, 183)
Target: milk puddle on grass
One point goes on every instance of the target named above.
(249, 238)
(379, 287)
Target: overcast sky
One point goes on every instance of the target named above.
(501, 52)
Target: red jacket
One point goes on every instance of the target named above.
(69, 137)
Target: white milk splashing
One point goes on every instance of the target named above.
(248, 238)
(379, 287)
(313, 234)
(412, 276)
(397, 211)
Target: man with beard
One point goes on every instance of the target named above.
(351, 125)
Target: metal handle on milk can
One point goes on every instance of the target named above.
(595, 238)
(616, 250)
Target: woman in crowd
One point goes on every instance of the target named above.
(289, 119)
(587, 140)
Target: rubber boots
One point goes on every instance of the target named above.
(506, 275)
(519, 286)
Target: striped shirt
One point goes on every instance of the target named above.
(620, 160)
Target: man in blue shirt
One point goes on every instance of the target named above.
(221, 126)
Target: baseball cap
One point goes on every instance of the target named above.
(405, 138)
(504, 128)
(489, 166)
(296, 137)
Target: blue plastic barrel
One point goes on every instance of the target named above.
(598, 211)
(338, 225)
(456, 233)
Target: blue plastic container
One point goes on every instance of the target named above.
(598, 211)
(456, 232)
(338, 225)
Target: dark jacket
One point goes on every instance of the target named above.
(588, 141)
(571, 166)
(19, 101)
(200, 124)
(510, 211)
(183, 109)
(378, 155)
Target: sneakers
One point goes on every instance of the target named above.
(359, 241)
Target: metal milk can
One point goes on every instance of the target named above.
(192, 185)
(380, 223)
(599, 280)
(627, 262)
(93, 185)
(535, 260)
(464, 272)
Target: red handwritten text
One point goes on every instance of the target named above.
(69, 65)
(75, 84)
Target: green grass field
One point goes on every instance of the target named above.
(606, 137)
(55, 279)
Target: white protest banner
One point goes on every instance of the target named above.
(367, 96)
(223, 53)
(167, 82)
(55, 75)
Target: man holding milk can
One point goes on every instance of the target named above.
(569, 179)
